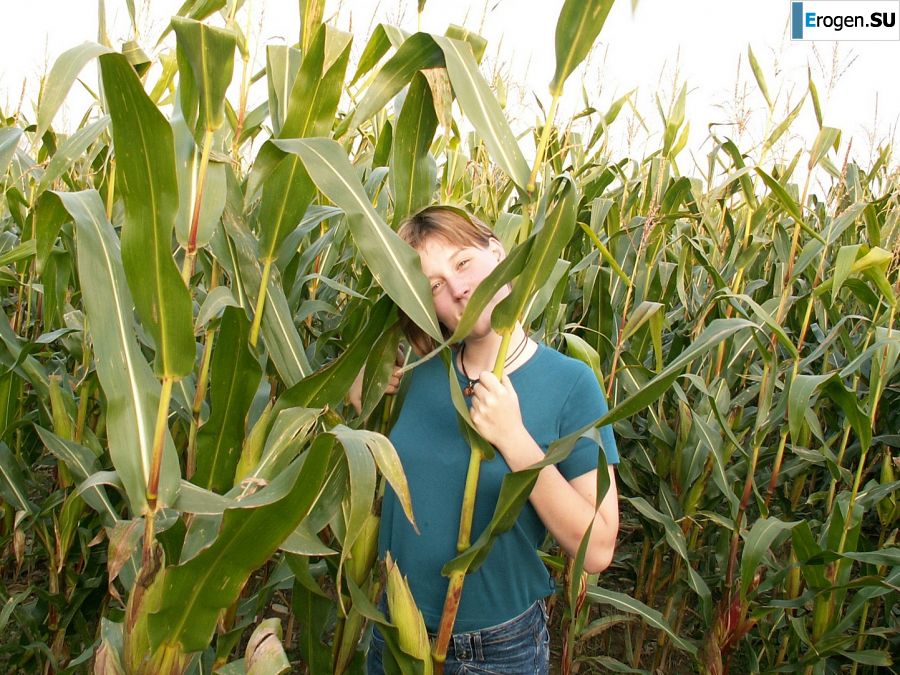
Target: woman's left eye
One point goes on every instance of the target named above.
(462, 263)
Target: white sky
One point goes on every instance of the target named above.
(701, 42)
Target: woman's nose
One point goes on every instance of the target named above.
(459, 288)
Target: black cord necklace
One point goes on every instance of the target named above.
(469, 389)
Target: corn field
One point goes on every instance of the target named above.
(191, 285)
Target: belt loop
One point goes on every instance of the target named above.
(477, 647)
(462, 646)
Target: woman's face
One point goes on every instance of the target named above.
(454, 272)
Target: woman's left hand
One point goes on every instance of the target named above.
(495, 409)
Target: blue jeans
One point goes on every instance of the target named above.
(520, 646)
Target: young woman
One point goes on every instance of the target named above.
(543, 395)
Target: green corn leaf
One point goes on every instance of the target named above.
(234, 377)
(673, 532)
(789, 204)
(17, 357)
(382, 154)
(628, 604)
(311, 13)
(131, 391)
(675, 195)
(826, 139)
(746, 184)
(476, 42)
(70, 150)
(578, 25)
(850, 406)
(145, 165)
(870, 657)
(843, 267)
(758, 74)
(59, 81)
(380, 364)
(814, 95)
(286, 438)
(480, 105)
(873, 265)
(304, 542)
(580, 349)
(609, 117)
(196, 591)
(187, 166)
(286, 195)
(884, 361)
(237, 251)
(361, 466)
(417, 52)
(198, 501)
(779, 131)
(317, 88)
(312, 610)
(10, 392)
(380, 41)
(514, 493)
(759, 540)
(548, 245)
(389, 465)
(9, 141)
(421, 51)
(12, 482)
(329, 385)
(671, 142)
(806, 548)
(769, 320)
(25, 250)
(799, 395)
(641, 314)
(215, 303)
(209, 53)
(393, 263)
(413, 171)
(715, 333)
(888, 556)
(193, 9)
(83, 464)
(282, 66)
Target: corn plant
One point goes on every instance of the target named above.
(192, 283)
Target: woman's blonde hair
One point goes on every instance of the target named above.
(454, 226)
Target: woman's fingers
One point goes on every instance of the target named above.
(394, 383)
(400, 358)
(495, 408)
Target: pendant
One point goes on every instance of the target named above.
(469, 388)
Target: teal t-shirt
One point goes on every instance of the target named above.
(557, 395)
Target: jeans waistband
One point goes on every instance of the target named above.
(497, 631)
(471, 645)
(507, 628)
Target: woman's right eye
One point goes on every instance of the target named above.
(435, 287)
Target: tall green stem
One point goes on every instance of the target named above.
(463, 541)
(159, 436)
(191, 253)
(199, 396)
(260, 302)
(542, 144)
